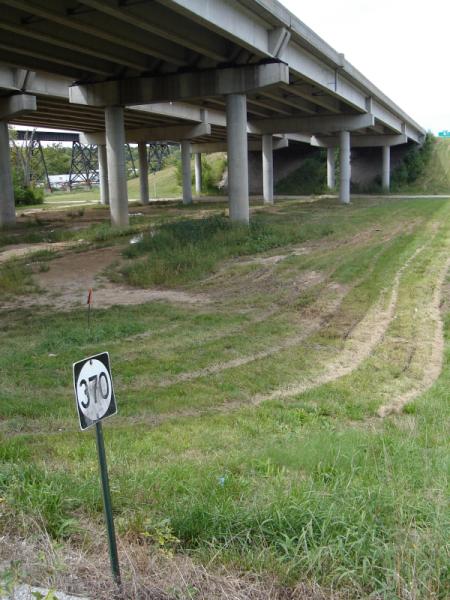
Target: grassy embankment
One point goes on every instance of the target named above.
(235, 443)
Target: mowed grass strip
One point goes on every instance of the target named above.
(313, 488)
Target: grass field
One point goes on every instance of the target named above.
(288, 433)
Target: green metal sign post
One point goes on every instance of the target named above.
(444, 134)
(113, 556)
(95, 400)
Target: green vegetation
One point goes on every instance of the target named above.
(187, 250)
(434, 178)
(414, 165)
(26, 196)
(310, 178)
(247, 432)
(15, 279)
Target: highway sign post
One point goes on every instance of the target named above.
(444, 134)
(94, 395)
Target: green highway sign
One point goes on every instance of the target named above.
(444, 133)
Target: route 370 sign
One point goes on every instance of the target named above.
(94, 392)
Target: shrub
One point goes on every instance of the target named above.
(24, 196)
(413, 164)
(309, 178)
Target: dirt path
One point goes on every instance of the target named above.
(23, 250)
(358, 347)
(65, 285)
(433, 368)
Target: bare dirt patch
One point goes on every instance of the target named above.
(19, 251)
(65, 285)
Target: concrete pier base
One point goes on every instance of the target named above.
(7, 207)
(386, 169)
(237, 148)
(331, 168)
(198, 173)
(345, 175)
(117, 177)
(143, 173)
(267, 168)
(103, 174)
(186, 169)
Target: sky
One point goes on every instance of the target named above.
(401, 46)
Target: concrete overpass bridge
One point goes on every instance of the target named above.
(212, 74)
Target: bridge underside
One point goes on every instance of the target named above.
(240, 75)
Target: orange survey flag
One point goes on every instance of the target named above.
(90, 296)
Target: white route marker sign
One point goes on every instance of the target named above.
(94, 392)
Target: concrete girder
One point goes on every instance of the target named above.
(10, 42)
(307, 54)
(192, 36)
(76, 42)
(253, 146)
(278, 41)
(104, 28)
(153, 134)
(318, 124)
(18, 104)
(182, 86)
(361, 141)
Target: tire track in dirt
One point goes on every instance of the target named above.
(433, 368)
(310, 327)
(358, 347)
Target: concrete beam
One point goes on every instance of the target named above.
(317, 124)
(12, 106)
(181, 86)
(174, 133)
(253, 146)
(361, 141)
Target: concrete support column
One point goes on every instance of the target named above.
(267, 168)
(117, 176)
(186, 170)
(198, 173)
(237, 148)
(7, 207)
(344, 192)
(386, 174)
(103, 174)
(143, 172)
(331, 168)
